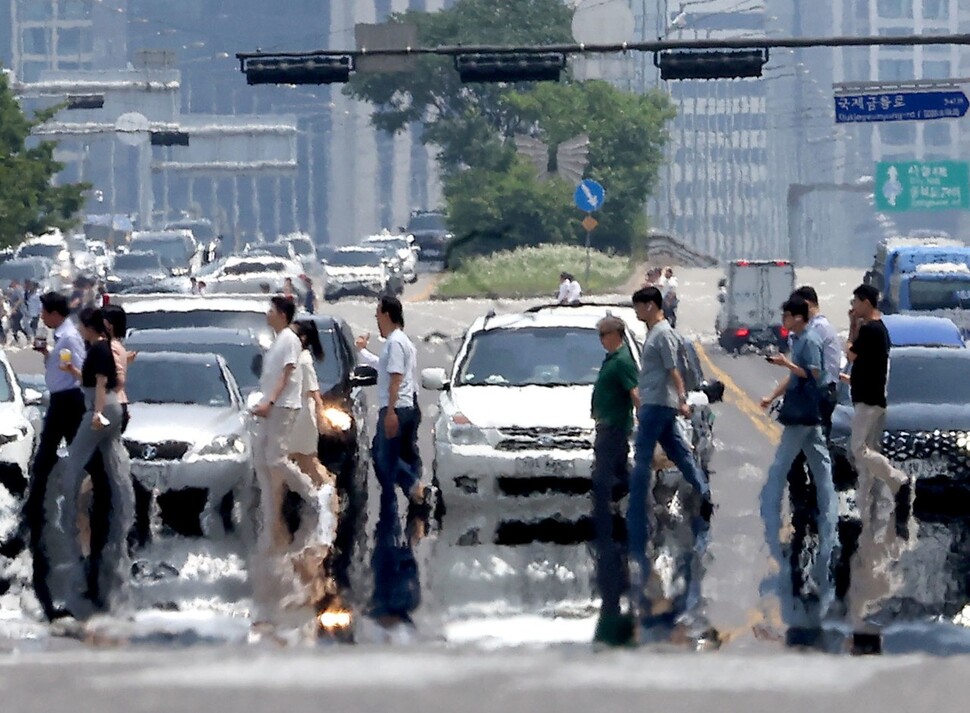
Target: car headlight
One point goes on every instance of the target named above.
(113, 278)
(463, 432)
(338, 419)
(224, 446)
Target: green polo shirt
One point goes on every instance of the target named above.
(612, 402)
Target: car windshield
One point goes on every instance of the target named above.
(936, 378)
(274, 249)
(390, 246)
(355, 258)
(176, 381)
(244, 360)
(939, 294)
(229, 319)
(302, 247)
(21, 269)
(431, 221)
(144, 261)
(49, 250)
(252, 267)
(174, 253)
(554, 356)
(202, 231)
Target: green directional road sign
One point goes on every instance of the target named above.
(922, 185)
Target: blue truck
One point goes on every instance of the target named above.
(924, 276)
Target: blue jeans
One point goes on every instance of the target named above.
(657, 424)
(389, 467)
(811, 441)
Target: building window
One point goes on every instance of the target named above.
(862, 9)
(898, 134)
(69, 41)
(35, 11)
(936, 9)
(937, 133)
(36, 40)
(895, 69)
(895, 8)
(936, 70)
(75, 9)
(31, 71)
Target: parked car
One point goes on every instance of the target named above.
(18, 430)
(177, 311)
(751, 298)
(431, 234)
(360, 271)
(514, 411)
(398, 249)
(912, 331)
(179, 252)
(241, 348)
(189, 434)
(136, 270)
(53, 248)
(248, 273)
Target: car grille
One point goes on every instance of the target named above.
(516, 438)
(164, 450)
(950, 447)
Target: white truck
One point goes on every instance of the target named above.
(751, 296)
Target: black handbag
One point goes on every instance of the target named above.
(804, 408)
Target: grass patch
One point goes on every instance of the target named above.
(534, 272)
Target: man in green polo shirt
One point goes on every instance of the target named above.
(614, 397)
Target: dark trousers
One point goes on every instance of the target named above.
(611, 449)
(390, 468)
(61, 423)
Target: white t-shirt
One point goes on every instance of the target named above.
(563, 291)
(399, 356)
(285, 350)
(668, 284)
(574, 292)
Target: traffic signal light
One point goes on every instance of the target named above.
(169, 138)
(711, 65)
(324, 69)
(481, 67)
(85, 101)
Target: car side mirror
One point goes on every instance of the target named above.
(434, 379)
(257, 365)
(714, 390)
(363, 376)
(33, 397)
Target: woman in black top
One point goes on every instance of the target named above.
(74, 592)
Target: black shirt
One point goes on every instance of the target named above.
(99, 362)
(871, 366)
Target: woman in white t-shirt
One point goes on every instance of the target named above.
(306, 429)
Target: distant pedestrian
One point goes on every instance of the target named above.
(32, 308)
(615, 396)
(104, 584)
(289, 291)
(202, 288)
(193, 286)
(18, 310)
(397, 418)
(801, 417)
(653, 277)
(310, 296)
(662, 398)
(668, 290)
(867, 350)
(563, 296)
(264, 288)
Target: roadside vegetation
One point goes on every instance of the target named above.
(534, 272)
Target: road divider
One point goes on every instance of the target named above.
(744, 403)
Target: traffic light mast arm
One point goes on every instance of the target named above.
(649, 46)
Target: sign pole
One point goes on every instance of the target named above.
(589, 234)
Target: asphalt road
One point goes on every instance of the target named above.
(506, 627)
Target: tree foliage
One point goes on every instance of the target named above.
(494, 199)
(29, 202)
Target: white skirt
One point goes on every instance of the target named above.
(303, 439)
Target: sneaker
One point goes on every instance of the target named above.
(866, 644)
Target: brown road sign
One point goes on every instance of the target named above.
(589, 222)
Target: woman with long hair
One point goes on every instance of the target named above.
(307, 429)
(116, 326)
(100, 432)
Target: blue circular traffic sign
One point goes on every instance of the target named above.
(589, 195)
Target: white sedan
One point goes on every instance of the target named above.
(399, 248)
(17, 440)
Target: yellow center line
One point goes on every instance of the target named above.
(425, 294)
(744, 403)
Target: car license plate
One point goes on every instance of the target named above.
(545, 466)
(920, 468)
